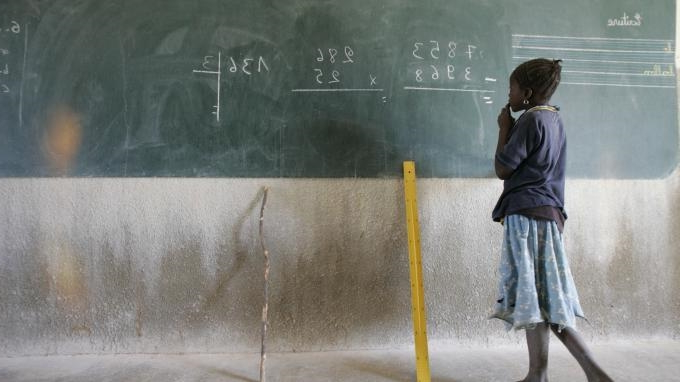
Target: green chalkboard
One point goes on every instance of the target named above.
(312, 88)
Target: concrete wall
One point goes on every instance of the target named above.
(174, 265)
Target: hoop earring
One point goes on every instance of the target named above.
(525, 102)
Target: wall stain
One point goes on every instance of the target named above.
(674, 244)
(349, 278)
(228, 267)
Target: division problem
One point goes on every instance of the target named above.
(246, 66)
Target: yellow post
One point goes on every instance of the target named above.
(416, 267)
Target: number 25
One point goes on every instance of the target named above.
(335, 75)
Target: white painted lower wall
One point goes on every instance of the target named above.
(175, 265)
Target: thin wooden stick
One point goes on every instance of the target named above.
(265, 306)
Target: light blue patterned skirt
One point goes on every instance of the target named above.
(536, 284)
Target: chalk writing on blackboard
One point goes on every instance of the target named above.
(333, 54)
(247, 66)
(600, 61)
(657, 71)
(12, 28)
(625, 21)
(450, 66)
(11, 69)
(334, 76)
(207, 61)
(328, 74)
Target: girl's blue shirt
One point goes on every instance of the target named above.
(537, 153)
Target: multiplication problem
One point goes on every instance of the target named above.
(449, 61)
(332, 56)
(336, 69)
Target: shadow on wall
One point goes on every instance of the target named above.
(627, 269)
(644, 273)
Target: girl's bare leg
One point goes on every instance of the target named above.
(577, 347)
(538, 341)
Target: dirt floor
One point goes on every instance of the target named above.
(627, 361)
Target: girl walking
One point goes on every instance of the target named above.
(536, 290)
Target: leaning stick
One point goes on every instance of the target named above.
(265, 306)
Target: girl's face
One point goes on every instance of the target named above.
(517, 96)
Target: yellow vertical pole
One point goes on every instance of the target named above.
(416, 270)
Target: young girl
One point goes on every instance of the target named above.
(536, 290)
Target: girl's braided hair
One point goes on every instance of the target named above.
(541, 75)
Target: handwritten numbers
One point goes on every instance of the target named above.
(452, 49)
(8, 28)
(419, 75)
(261, 64)
(435, 72)
(434, 52)
(246, 66)
(332, 53)
(233, 68)
(332, 56)
(470, 50)
(439, 60)
(11, 29)
(416, 48)
(206, 62)
(349, 53)
(449, 72)
(334, 77)
(15, 27)
(334, 74)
